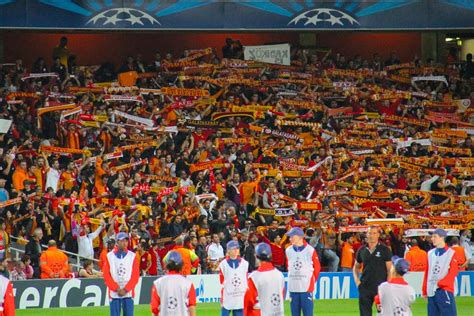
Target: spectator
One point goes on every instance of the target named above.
(249, 251)
(33, 250)
(201, 252)
(347, 251)
(227, 50)
(278, 252)
(329, 241)
(156, 267)
(143, 232)
(86, 238)
(61, 52)
(4, 268)
(87, 270)
(27, 268)
(215, 253)
(4, 241)
(468, 67)
(20, 176)
(144, 257)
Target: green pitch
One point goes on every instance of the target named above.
(465, 306)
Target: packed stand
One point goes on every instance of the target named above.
(193, 151)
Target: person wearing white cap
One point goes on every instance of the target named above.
(233, 272)
(395, 296)
(121, 275)
(303, 271)
(440, 275)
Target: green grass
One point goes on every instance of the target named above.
(465, 306)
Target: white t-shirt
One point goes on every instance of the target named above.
(52, 179)
(84, 243)
(215, 252)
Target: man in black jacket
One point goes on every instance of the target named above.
(33, 249)
(249, 253)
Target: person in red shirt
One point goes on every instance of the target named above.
(278, 252)
(156, 265)
(144, 257)
(6, 293)
(388, 107)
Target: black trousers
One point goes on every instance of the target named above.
(366, 299)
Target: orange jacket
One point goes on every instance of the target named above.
(460, 256)
(18, 177)
(190, 259)
(418, 259)
(99, 172)
(347, 255)
(54, 264)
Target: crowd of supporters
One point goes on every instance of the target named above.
(191, 151)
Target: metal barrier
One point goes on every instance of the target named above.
(72, 256)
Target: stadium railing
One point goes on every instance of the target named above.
(75, 259)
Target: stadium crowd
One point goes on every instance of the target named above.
(189, 152)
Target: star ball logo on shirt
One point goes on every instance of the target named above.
(297, 265)
(275, 299)
(236, 281)
(172, 303)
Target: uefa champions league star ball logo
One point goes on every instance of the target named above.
(297, 265)
(123, 16)
(121, 270)
(398, 311)
(172, 303)
(436, 269)
(323, 16)
(236, 281)
(275, 299)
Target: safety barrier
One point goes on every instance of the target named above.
(74, 258)
(92, 292)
